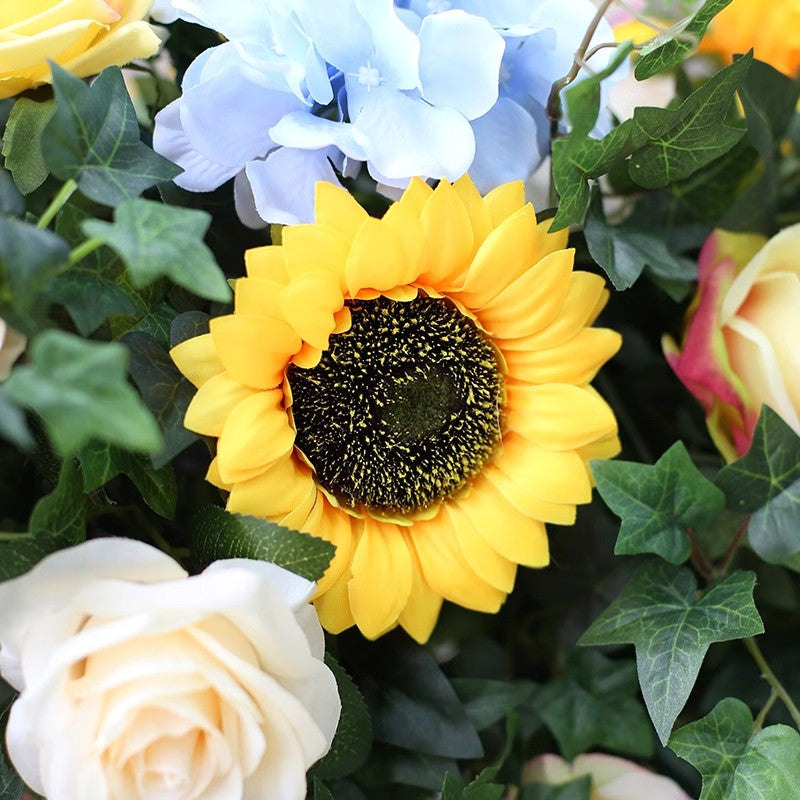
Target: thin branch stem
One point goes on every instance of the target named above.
(58, 202)
(771, 679)
(554, 110)
(699, 560)
(758, 723)
(84, 249)
(727, 557)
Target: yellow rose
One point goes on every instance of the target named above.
(82, 36)
(137, 681)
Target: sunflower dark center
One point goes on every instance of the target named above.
(404, 407)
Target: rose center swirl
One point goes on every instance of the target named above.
(403, 408)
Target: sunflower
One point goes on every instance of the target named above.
(415, 390)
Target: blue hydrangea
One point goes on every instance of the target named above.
(303, 90)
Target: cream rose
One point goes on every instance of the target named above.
(82, 36)
(137, 681)
(12, 345)
(612, 778)
(741, 348)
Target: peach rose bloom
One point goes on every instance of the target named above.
(741, 347)
(612, 778)
(12, 345)
(82, 36)
(137, 681)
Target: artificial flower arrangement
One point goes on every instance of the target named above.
(309, 416)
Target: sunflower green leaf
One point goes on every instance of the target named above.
(93, 138)
(766, 483)
(220, 534)
(80, 389)
(659, 612)
(736, 762)
(658, 504)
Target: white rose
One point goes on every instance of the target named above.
(137, 681)
(12, 345)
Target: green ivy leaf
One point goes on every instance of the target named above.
(155, 240)
(594, 704)
(579, 789)
(11, 202)
(737, 763)
(487, 701)
(220, 534)
(187, 326)
(667, 50)
(93, 138)
(101, 463)
(89, 289)
(58, 520)
(13, 426)
(164, 390)
(766, 483)
(22, 142)
(681, 140)
(353, 740)
(454, 789)
(658, 504)
(417, 708)
(81, 391)
(624, 250)
(29, 260)
(659, 612)
(321, 791)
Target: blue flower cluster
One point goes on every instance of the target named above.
(305, 90)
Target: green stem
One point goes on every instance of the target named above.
(771, 679)
(58, 202)
(699, 560)
(758, 723)
(83, 250)
(727, 558)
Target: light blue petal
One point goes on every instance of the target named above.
(283, 184)
(403, 137)
(227, 117)
(460, 62)
(245, 203)
(395, 47)
(306, 132)
(340, 34)
(250, 20)
(200, 174)
(509, 145)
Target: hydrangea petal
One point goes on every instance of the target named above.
(459, 62)
(302, 130)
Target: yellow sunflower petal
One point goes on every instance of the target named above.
(559, 416)
(336, 208)
(446, 571)
(278, 490)
(406, 223)
(333, 606)
(487, 563)
(511, 533)
(532, 300)
(336, 527)
(197, 359)
(576, 361)
(258, 297)
(585, 291)
(296, 518)
(255, 434)
(307, 357)
(418, 617)
(557, 477)
(213, 402)
(605, 448)
(505, 200)
(506, 253)
(416, 195)
(381, 583)
(255, 350)
(315, 248)
(342, 320)
(377, 259)
(476, 208)
(212, 476)
(517, 490)
(309, 303)
(546, 242)
(267, 263)
(448, 230)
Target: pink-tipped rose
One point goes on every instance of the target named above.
(741, 348)
(612, 778)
